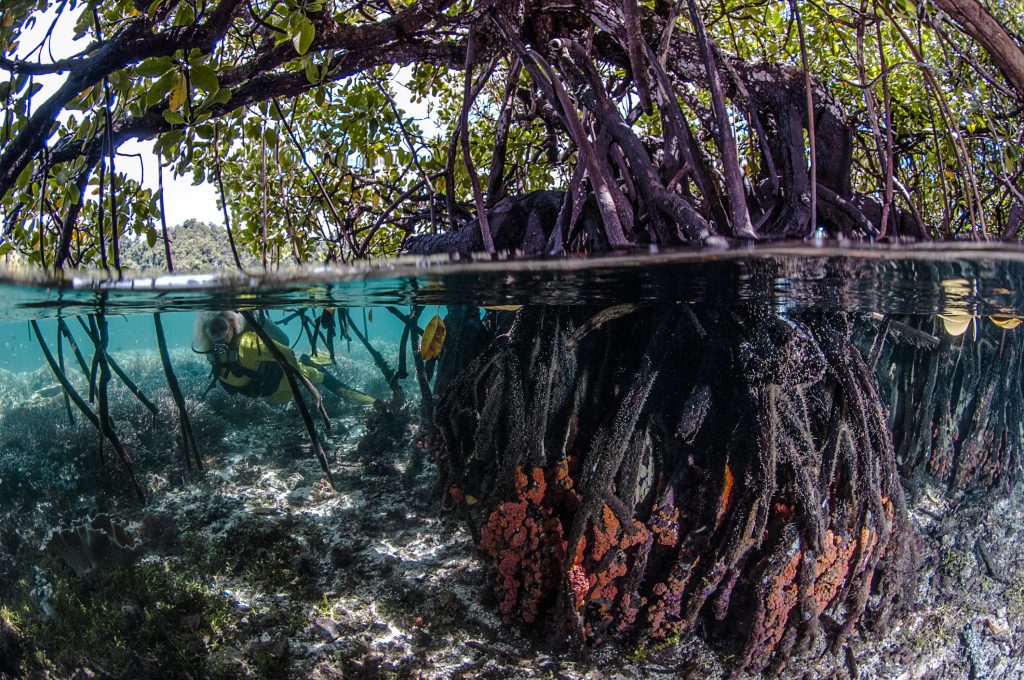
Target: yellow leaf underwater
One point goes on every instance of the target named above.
(504, 308)
(956, 323)
(433, 338)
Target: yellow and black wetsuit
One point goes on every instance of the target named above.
(248, 367)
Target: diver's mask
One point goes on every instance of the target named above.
(218, 332)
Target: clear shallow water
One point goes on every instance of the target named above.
(908, 280)
(856, 396)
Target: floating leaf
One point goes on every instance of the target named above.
(956, 323)
(1007, 322)
(504, 308)
(433, 338)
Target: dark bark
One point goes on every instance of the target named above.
(520, 223)
(612, 505)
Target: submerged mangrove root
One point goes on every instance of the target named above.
(100, 422)
(634, 477)
(957, 408)
(118, 371)
(295, 378)
(188, 439)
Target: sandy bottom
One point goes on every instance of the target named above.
(257, 568)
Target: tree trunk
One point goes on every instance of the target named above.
(977, 22)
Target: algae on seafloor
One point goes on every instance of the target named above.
(129, 622)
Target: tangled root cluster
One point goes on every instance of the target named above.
(632, 472)
(957, 405)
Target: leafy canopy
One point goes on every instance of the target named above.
(332, 128)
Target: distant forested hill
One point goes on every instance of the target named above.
(195, 246)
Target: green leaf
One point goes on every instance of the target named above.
(223, 96)
(303, 38)
(204, 77)
(312, 73)
(173, 117)
(157, 66)
(151, 237)
(26, 176)
(161, 87)
(186, 15)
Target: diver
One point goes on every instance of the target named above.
(242, 364)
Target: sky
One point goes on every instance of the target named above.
(182, 200)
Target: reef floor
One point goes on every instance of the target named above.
(256, 568)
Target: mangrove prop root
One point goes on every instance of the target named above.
(188, 439)
(295, 377)
(100, 423)
(964, 398)
(60, 365)
(670, 468)
(120, 372)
